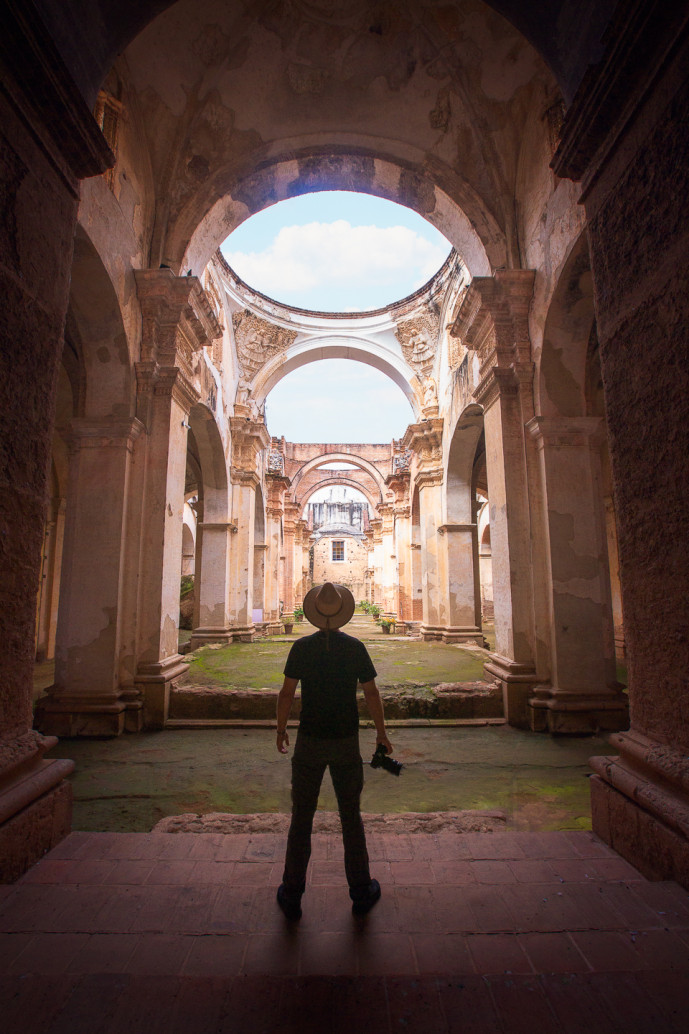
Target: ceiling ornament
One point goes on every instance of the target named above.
(258, 341)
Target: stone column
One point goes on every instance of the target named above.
(159, 660)
(459, 586)
(177, 321)
(249, 439)
(377, 561)
(290, 519)
(583, 695)
(212, 582)
(276, 486)
(424, 440)
(242, 558)
(86, 699)
(390, 594)
(638, 247)
(493, 321)
(430, 486)
(405, 587)
(45, 150)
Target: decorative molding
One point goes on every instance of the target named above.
(258, 341)
(492, 319)
(565, 432)
(178, 318)
(419, 340)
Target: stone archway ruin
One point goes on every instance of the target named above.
(215, 111)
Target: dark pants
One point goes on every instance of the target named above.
(311, 758)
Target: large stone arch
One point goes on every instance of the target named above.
(561, 370)
(339, 457)
(315, 349)
(301, 499)
(214, 484)
(461, 216)
(96, 328)
(460, 466)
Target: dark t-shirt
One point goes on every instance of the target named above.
(329, 674)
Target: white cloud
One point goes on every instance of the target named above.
(318, 257)
(337, 400)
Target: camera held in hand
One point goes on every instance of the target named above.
(381, 760)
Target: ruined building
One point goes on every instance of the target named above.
(545, 363)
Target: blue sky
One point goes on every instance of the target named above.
(336, 251)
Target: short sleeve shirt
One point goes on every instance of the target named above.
(329, 668)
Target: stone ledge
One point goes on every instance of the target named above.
(329, 822)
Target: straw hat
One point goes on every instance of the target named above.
(329, 605)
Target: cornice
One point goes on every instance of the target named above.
(47, 97)
(642, 38)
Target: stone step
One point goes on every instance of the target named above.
(449, 701)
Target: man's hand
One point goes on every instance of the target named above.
(285, 698)
(385, 743)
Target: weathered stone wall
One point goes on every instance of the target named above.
(350, 572)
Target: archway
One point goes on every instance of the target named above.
(208, 467)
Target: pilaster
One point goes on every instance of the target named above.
(583, 694)
(492, 321)
(85, 699)
(177, 322)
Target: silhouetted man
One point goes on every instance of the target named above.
(329, 664)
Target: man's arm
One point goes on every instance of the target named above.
(285, 699)
(375, 709)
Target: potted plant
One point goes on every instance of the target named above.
(298, 613)
(374, 611)
(387, 624)
(289, 627)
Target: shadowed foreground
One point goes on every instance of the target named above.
(498, 932)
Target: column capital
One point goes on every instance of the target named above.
(178, 317)
(249, 439)
(426, 440)
(492, 319)
(101, 433)
(565, 431)
(155, 382)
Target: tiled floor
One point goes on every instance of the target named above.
(497, 932)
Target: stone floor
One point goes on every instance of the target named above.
(497, 932)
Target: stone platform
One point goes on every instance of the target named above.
(477, 932)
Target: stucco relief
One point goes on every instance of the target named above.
(258, 341)
(419, 338)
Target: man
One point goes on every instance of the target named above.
(329, 665)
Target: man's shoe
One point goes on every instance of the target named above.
(362, 905)
(289, 903)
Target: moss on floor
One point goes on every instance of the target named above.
(131, 782)
(400, 662)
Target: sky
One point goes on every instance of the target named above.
(336, 251)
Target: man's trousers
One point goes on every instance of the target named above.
(310, 759)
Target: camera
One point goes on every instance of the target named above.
(381, 760)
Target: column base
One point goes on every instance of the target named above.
(154, 681)
(517, 682)
(640, 806)
(243, 633)
(35, 804)
(203, 636)
(566, 713)
(68, 716)
(452, 634)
